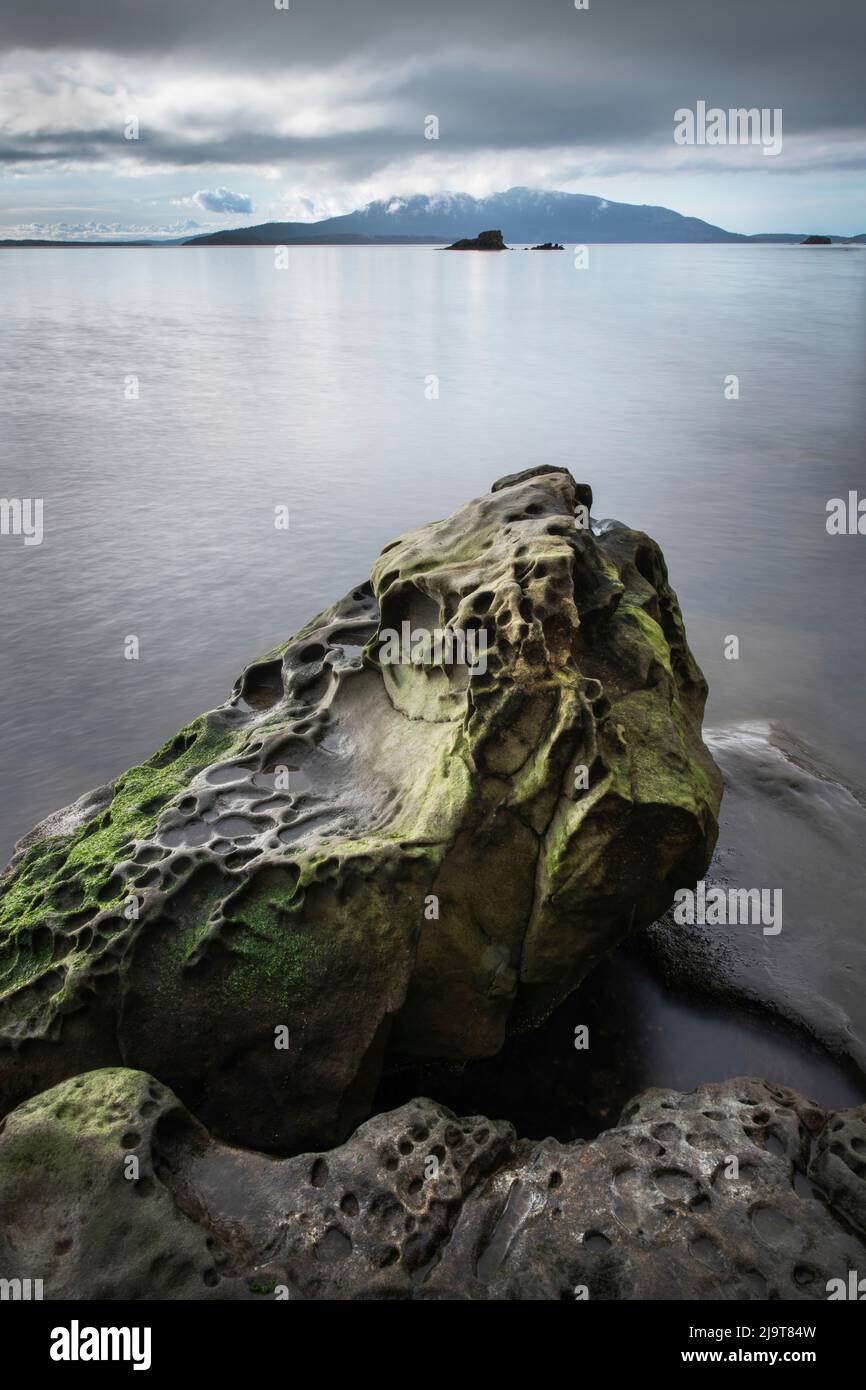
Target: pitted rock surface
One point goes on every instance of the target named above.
(699, 1196)
(71, 1216)
(273, 865)
(838, 1163)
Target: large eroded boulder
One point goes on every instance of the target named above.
(359, 853)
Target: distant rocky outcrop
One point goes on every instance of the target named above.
(548, 246)
(485, 241)
(371, 849)
(737, 1191)
(817, 241)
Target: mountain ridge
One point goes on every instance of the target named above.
(524, 215)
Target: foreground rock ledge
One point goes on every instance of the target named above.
(421, 1205)
(263, 907)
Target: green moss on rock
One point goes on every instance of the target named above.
(370, 854)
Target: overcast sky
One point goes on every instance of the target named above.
(247, 113)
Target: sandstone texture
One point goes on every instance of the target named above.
(739, 1190)
(360, 856)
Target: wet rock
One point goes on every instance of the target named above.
(699, 1196)
(784, 811)
(358, 854)
(64, 822)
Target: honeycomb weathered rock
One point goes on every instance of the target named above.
(712, 1195)
(376, 855)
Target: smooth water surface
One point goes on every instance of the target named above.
(311, 388)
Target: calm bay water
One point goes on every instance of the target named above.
(306, 387)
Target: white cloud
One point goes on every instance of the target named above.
(343, 125)
(222, 200)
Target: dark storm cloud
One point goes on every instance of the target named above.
(500, 74)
